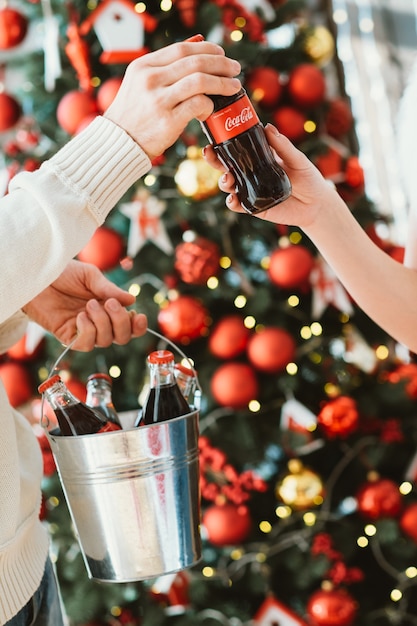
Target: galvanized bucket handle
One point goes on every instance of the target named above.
(197, 394)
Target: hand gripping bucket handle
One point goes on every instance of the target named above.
(133, 496)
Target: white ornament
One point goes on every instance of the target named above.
(145, 213)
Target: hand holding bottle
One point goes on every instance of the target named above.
(164, 90)
(311, 193)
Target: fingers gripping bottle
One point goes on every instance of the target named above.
(74, 417)
(239, 140)
(165, 399)
(99, 396)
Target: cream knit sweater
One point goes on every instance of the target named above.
(45, 221)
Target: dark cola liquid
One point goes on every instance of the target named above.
(84, 421)
(163, 403)
(260, 182)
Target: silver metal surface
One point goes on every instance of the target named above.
(133, 496)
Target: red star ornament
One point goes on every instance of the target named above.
(274, 613)
(145, 213)
(327, 289)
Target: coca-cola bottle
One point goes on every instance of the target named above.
(239, 140)
(164, 400)
(74, 417)
(99, 396)
(185, 379)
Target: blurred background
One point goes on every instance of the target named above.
(308, 410)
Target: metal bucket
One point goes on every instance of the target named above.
(133, 496)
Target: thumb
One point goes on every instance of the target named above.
(103, 288)
(285, 149)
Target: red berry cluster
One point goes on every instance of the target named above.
(221, 481)
(338, 573)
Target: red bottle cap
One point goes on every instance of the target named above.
(184, 369)
(49, 382)
(160, 356)
(99, 375)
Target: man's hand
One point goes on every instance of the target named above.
(164, 90)
(83, 302)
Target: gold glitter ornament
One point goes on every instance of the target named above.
(319, 45)
(195, 178)
(301, 488)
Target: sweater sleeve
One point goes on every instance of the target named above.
(49, 215)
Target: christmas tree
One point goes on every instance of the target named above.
(307, 436)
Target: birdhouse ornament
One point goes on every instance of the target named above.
(120, 30)
(275, 613)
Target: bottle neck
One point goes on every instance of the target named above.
(98, 392)
(222, 101)
(59, 396)
(161, 374)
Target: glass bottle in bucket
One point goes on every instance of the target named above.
(99, 396)
(186, 380)
(165, 399)
(74, 417)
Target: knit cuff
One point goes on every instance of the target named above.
(102, 162)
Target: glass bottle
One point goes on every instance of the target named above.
(164, 400)
(99, 396)
(74, 417)
(185, 379)
(239, 140)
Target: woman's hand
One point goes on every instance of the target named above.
(310, 195)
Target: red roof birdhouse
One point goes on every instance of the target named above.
(120, 30)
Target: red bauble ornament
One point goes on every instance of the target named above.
(264, 86)
(107, 92)
(306, 86)
(105, 249)
(73, 108)
(338, 117)
(333, 607)
(234, 385)
(184, 319)
(290, 267)
(330, 163)
(379, 498)
(271, 349)
(13, 28)
(86, 121)
(408, 521)
(354, 174)
(17, 382)
(290, 122)
(10, 111)
(229, 337)
(196, 261)
(227, 524)
(339, 417)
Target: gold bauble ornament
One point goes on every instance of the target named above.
(195, 178)
(319, 45)
(301, 488)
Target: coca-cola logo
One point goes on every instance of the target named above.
(244, 116)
